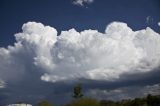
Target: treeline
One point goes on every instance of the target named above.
(80, 100)
(150, 100)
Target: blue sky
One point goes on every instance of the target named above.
(63, 15)
(46, 48)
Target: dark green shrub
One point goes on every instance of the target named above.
(85, 102)
(44, 103)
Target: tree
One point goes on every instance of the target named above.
(44, 103)
(138, 102)
(77, 91)
(149, 100)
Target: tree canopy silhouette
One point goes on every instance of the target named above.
(77, 91)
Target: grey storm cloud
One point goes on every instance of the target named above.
(124, 92)
(41, 62)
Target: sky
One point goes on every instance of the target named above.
(47, 46)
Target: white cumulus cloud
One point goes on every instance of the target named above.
(74, 55)
(82, 2)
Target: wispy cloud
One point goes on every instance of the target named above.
(82, 2)
(2, 84)
(158, 23)
(149, 20)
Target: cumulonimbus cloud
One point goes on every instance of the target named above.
(81, 55)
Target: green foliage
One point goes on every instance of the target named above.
(77, 91)
(146, 101)
(107, 103)
(85, 102)
(44, 103)
(153, 100)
